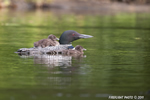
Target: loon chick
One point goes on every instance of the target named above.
(78, 50)
(50, 41)
(68, 36)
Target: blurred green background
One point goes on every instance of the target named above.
(117, 58)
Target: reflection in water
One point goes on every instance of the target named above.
(64, 65)
(56, 82)
(53, 60)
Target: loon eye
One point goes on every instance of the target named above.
(73, 34)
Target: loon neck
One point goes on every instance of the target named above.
(66, 44)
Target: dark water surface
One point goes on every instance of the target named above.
(116, 63)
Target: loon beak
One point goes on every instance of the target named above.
(85, 36)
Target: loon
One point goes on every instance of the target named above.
(50, 41)
(65, 43)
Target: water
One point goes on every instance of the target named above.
(116, 62)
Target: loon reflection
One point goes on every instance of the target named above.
(53, 60)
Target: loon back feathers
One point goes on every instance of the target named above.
(35, 50)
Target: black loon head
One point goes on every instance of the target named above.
(68, 36)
